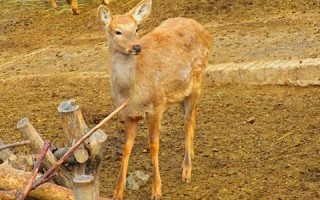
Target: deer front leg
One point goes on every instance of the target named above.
(130, 131)
(190, 108)
(74, 6)
(53, 3)
(154, 121)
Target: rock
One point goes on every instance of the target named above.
(136, 180)
(251, 120)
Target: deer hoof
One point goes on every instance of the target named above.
(75, 11)
(186, 175)
(117, 197)
(186, 180)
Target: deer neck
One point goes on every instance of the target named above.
(122, 75)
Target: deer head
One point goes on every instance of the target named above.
(122, 29)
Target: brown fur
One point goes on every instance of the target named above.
(169, 69)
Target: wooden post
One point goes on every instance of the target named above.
(84, 188)
(36, 143)
(96, 144)
(74, 127)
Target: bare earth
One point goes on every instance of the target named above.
(252, 142)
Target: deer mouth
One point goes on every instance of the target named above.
(133, 52)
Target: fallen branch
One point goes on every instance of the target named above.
(16, 144)
(48, 173)
(24, 193)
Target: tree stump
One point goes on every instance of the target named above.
(84, 188)
(87, 157)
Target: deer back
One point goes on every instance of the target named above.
(172, 61)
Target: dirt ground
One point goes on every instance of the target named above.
(252, 142)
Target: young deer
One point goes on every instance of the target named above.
(164, 66)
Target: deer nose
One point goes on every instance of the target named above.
(137, 48)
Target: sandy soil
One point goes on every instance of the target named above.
(252, 142)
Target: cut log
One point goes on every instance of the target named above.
(28, 132)
(60, 152)
(74, 127)
(96, 144)
(50, 171)
(12, 179)
(83, 188)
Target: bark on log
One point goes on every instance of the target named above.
(49, 172)
(73, 126)
(60, 152)
(12, 179)
(84, 188)
(28, 132)
(96, 144)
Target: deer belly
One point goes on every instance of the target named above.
(178, 90)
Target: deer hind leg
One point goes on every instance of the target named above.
(131, 130)
(154, 123)
(190, 108)
(74, 6)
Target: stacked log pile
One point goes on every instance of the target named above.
(73, 170)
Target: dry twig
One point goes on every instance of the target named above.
(23, 194)
(16, 144)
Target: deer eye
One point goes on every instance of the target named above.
(118, 33)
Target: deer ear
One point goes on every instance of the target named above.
(141, 11)
(104, 15)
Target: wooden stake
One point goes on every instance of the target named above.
(45, 176)
(74, 127)
(83, 188)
